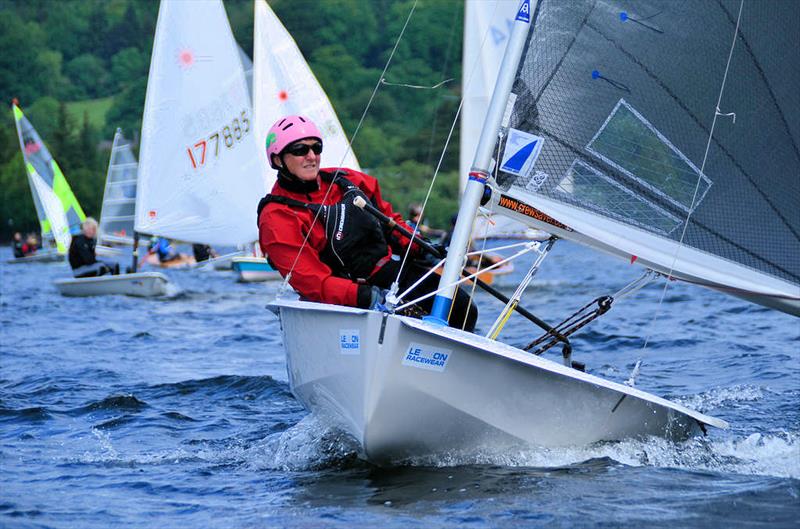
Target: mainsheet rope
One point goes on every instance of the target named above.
(285, 283)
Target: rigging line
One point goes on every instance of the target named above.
(445, 66)
(697, 186)
(444, 151)
(349, 146)
(437, 85)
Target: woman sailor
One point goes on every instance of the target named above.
(346, 256)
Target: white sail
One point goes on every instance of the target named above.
(283, 84)
(199, 174)
(53, 210)
(487, 26)
(119, 198)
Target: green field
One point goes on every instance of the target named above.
(97, 109)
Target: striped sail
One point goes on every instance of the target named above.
(60, 214)
(119, 198)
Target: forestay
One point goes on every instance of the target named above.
(283, 84)
(615, 103)
(199, 174)
(58, 210)
(119, 198)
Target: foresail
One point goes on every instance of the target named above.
(283, 84)
(59, 219)
(119, 198)
(615, 103)
(199, 173)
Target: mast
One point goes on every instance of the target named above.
(479, 174)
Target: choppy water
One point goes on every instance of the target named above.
(119, 411)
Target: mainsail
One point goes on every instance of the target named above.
(616, 139)
(199, 173)
(60, 215)
(283, 84)
(119, 198)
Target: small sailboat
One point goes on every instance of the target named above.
(283, 84)
(253, 269)
(60, 214)
(200, 176)
(115, 231)
(593, 98)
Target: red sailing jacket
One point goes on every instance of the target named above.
(283, 228)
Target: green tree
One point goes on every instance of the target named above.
(127, 66)
(88, 75)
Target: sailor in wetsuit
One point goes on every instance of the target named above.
(349, 258)
(18, 246)
(82, 257)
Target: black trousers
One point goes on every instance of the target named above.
(462, 308)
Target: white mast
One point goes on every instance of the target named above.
(473, 192)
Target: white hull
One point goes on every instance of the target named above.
(253, 270)
(486, 395)
(142, 284)
(40, 257)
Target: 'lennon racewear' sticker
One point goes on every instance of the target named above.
(349, 342)
(426, 357)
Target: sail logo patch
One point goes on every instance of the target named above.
(524, 13)
(349, 341)
(521, 152)
(426, 357)
(529, 211)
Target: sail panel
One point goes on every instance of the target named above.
(283, 84)
(199, 173)
(119, 198)
(624, 94)
(46, 182)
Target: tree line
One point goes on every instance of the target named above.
(57, 53)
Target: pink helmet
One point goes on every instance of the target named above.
(288, 130)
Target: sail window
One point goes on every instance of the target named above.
(633, 146)
(591, 188)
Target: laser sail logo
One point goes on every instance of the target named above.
(521, 152)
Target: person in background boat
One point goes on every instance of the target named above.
(348, 257)
(203, 252)
(18, 246)
(31, 245)
(82, 256)
(415, 221)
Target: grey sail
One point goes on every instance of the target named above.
(615, 103)
(119, 199)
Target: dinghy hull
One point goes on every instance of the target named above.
(403, 388)
(253, 270)
(39, 257)
(143, 284)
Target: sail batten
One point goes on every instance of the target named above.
(624, 112)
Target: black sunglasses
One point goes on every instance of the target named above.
(301, 149)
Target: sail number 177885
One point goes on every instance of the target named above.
(229, 135)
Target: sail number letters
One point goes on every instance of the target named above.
(229, 135)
